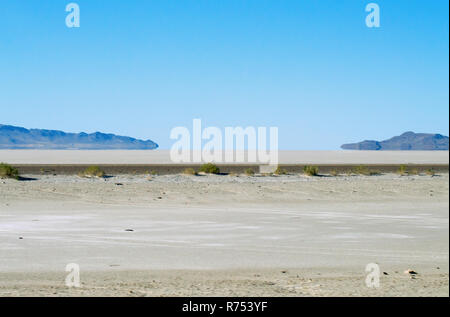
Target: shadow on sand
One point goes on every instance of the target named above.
(26, 179)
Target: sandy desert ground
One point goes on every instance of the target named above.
(175, 235)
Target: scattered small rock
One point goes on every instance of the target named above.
(118, 184)
(385, 273)
(129, 230)
(20, 238)
(411, 272)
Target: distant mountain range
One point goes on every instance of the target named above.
(408, 141)
(12, 137)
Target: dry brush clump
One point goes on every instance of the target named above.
(210, 168)
(249, 172)
(311, 170)
(280, 171)
(190, 171)
(92, 171)
(364, 170)
(7, 171)
(402, 170)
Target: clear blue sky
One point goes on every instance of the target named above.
(310, 67)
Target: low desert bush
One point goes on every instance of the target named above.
(92, 171)
(7, 171)
(364, 170)
(311, 170)
(249, 172)
(210, 168)
(280, 171)
(430, 172)
(189, 171)
(402, 170)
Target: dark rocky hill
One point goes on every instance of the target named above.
(408, 141)
(12, 137)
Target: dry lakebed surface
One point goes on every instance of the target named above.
(224, 235)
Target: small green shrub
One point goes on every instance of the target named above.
(430, 172)
(209, 168)
(249, 172)
(92, 171)
(414, 171)
(189, 171)
(311, 170)
(7, 171)
(402, 170)
(361, 170)
(280, 171)
(364, 170)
